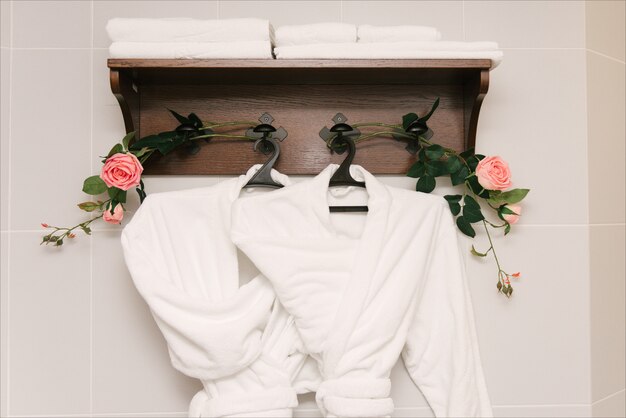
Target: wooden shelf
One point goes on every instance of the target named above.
(303, 96)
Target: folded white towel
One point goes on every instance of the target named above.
(400, 33)
(315, 33)
(394, 50)
(190, 50)
(188, 30)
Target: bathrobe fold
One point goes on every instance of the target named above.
(363, 296)
(238, 340)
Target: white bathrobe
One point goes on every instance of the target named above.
(238, 340)
(365, 288)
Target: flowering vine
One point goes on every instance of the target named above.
(482, 179)
(486, 179)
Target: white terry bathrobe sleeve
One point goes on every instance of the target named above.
(238, 341)
(362, 297)
(441, 352)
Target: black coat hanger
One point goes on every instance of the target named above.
(266, 143)
(342, 176)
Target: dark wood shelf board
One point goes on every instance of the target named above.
(302, 96)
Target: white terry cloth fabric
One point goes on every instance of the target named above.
(394, 50)
(315, 33)
(364, 288)
(188, 30)
(180, 50)
(399, 33)
(238, 340)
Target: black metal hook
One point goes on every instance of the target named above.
(267, 142)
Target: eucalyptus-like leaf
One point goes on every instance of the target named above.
(510, 197)
(471, 210)
(453, 202)
(408, 119)
(117, 148)
(459, 176)
(434, 152)
(116, 195)
(416, 170)
(465, 227)
(453, 164)
(432, 110)
(180, 118)
(126, 141)
(88, 206)
(426, 184)
(94, 185)
(436, 168)
(477, 253)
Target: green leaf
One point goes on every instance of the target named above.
(471, 210)
(436, 168)
(467, 153)
(434, 152)
(408, 119)
(507, 228)
(478, 254)
(170, 145)
(117, 195)
(422, 155)
(116, 149)
(506, 211)
(453, 202)
(127, 139)
(195, 120)
(425, 184)
(94, 185)
(454, 198)
(150, 141)
(454, 164)
(475, 187)
(510, 197)
(465, 227)
(86, 229)
(417, 170)
(180, 118)
(432, 110)
(88, 206)
(459, 176)
(474, 160)
(141, 152)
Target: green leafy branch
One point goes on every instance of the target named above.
(434, 161)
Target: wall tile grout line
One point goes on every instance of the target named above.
(606, 56)
(608, 397)
(9, 204)
(91, 113)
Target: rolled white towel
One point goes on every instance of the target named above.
(188, 30)
(400, 33)
(315, 33)
(191, 50)
(394, 50)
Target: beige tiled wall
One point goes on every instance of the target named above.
(80, 340)
(607, 139)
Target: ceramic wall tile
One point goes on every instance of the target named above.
(606, 27)
(282, 12)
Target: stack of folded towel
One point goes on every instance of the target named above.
(190, 38)
(345, 41)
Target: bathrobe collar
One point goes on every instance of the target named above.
(367, 256)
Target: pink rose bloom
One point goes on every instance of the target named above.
(513, 218)
(493, 173)
(114, 217)
(122, 171)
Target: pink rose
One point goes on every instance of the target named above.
(114, 217)
(122, 171)
(513, 218)
(493, 173)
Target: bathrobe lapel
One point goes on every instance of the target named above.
(363, 268)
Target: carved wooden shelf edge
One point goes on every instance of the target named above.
(302, 95)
